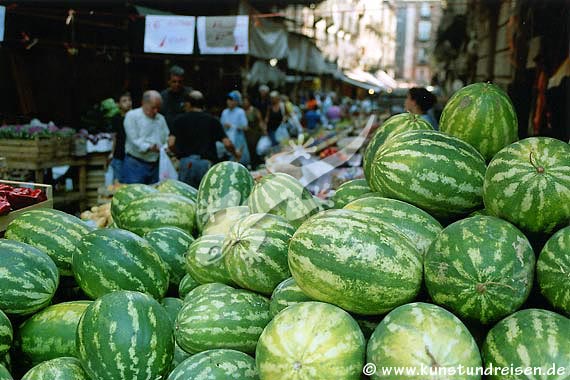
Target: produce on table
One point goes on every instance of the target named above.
(221, 222)
(205, 261)
(217, 365)
(349, 191)
(101, 215)
(552, 268)
(178, 187)
(15, 198)
(66, 368)
(125, 194)
(286, 294)
(186, 285)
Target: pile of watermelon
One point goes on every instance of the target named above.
(454, 251)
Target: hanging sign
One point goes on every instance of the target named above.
(169, 34)
(223, 35)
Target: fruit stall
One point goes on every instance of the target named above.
(451, 254)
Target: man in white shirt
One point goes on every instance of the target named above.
(146, 132)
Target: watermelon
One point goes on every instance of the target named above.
(172, 306)
(152, 211)
(65, 368)
(179, 357)
(226, 184)
(552, 267)
(421, 335)
(530, 338)
(6, 334)
(419, 226)
(394, 125)
(226, 318)
(125, 335)
(221, 222)
(349, 191)
(527, 183)
(205, 289)
(255, 252)
(204, 261)
(482, 115)
(186, 285)
(281, 194)
(28, 278)
(355, 261)
(286, 294)
(367, 324)
(126, 194)
(171, 244)
(173, 186)
(480, 268)
(50, 333)
(308, 341)
(6, 361)
(113, 259)
(436, 172)
(53, 232)
(4, 373)
(217, 365)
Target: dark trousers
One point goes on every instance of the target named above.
(138, 171)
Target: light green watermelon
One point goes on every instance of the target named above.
(482, 115)
(531, 338)
(552, 267)
(221, 222)
(173, 186)
(226, 184)
(217, 365)
(124, 195)
(113, 259)
(4, 373)
(65, 368)
(349, 191)
(419, 226)
(186, 285)
(420, 335)
(255, 252)
(527, 183)
(205, 289)
(50, 333)
(171, 244)
(309, 341)
(286, 294)
(53, 232)
(394, 125)
(204, 261)
(355, 261)
(152, 211)
(6, 334)
(28, 278)
(281, 194)
(438, 173)
(480, 268)
(227, 318)
(125, 335)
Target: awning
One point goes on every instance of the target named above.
(360, 84)
(386, 79)
(262, 73)
(366, 78)
(146, 11)
(268, 40)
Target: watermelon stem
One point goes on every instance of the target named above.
(434, 362)
(539, 169)
(482, 287)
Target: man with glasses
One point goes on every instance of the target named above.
(173, 96)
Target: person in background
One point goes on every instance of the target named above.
(194, 137)
(117, 155)
(256, 128)
(173, 96)
(312, 117)
(146, 132)
(334, 113)
(235, 124)
(420, 101)
(275, 116)
(262, 101)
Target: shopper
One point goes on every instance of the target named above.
(255, 129)
(173, 96)
(117, 156)
(234, 122)
(420, 101)
(275, 116)
(262, 101)
(146, 132)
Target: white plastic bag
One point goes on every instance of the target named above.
(263, 146)
(165, 168)
(281, 133)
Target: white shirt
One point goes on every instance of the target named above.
(143, 132)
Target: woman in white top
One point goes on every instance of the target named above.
(235, 123)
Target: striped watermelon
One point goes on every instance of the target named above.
(482, 115)
(281, 194)
(394, 125)
(4, 373)
(436, 172)
(113, 259)
(66, 368)
(205, 289)
(355, 261)
(552, 267)
(173, 186)
(480, 268)
(255, 252)
(309, 341)
(421, 334)
(221, 222)
(126, 194)
(286, 294)
(6, 361)
(152, 211)
(531, 338)
(416, 224)
(172, 306)
(226, 318)
(171, 244)
(6, 334)
(50, 333)
(125, 335)
(28, 278)
(186, 285)
(216, 365)
(349, 191)
(179, 357)
(226, 184)
(204, 261)
(53, 232)
(527, 183)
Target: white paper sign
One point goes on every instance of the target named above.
(2, 21)
(169, 34)
(223, 35)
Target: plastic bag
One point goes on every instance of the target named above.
(281, 133)
(165, 168)
(263, 146)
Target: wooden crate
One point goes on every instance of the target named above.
(63, 146)
(36, 150)
(6, 219)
